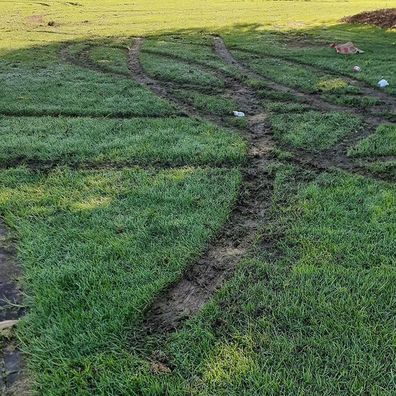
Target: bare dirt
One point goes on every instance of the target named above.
(384, 18)
(11, 362)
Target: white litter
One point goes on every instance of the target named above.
(238, 113)
(382, 83)
(356, 69)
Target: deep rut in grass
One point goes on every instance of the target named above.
(335, 157)
(184, 298)
(11, 363)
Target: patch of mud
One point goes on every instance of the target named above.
(12, 377)
(384, 18)
(217, 264)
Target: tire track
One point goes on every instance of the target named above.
(12, 367)
(335, 157)
(367, 90)
(208, 273)
(186, 297)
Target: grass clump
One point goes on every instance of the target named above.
(382, 142)
(212, 104)
(167, 69)
(110, 58)
(96, 248)
(169, 141)
(313, 130)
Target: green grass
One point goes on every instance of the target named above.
(112, 59)
(313, 130)
(29, 86)
(382, 142)
(98, 246)
(172, 141)
(318, 320)
(167, 69)
(312, 316)
(196, 48)
(212, 104)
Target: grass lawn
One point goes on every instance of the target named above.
(383, 142)
(111, 192)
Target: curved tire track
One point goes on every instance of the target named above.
(12, 366)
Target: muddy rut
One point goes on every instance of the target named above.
(11, 363)
(185, 298)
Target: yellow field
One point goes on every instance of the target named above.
(24, 24)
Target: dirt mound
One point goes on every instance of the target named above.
(384, 18)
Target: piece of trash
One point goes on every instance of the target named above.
(382, 83)
(356, 69)
(347, 48)
(6, 324)
(238, 113)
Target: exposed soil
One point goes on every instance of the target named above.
(384, 18)
(12, 381)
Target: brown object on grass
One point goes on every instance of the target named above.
(384, 18)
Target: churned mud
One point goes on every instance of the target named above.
(12, 376)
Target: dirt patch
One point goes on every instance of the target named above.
(384, 18)
(11, 361)
(35, 19)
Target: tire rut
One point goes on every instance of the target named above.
(12, 366)
(383, 96)
(187, 296)
(311, 99)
